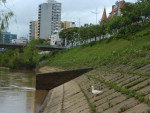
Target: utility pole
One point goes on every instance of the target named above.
(79, 22)
(96, 13)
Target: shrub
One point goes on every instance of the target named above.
(15, 59)
(131, 29)
(146, 47)
(139, 63)
(118, 36)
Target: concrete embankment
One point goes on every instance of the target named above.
(55, 97)
(122, 92)
(41, 101)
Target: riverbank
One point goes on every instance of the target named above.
(48, 69)
(122, 92)
(6, 68)
(56, 97)
(46, 93)
(131, 51)
(2, 84)
(124, 77)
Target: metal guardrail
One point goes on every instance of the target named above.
(40, 47)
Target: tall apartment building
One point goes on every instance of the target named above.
(49, 18)
(67, 24)
(33, 33)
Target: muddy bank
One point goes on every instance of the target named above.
(47, 69)
(2, 84)
(6, 68)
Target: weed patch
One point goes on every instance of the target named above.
(124, 108)
(140, 97)
(92, 106)
(134, 83)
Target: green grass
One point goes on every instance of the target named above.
(140, 63)
(101, 53)
(139, 73)
(134, 83)
(142, 86)
(123, 72)
(109, 103)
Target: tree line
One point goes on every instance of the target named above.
(26, 58)
(133, 15)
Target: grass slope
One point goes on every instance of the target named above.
(134, 52)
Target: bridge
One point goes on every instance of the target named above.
(40, 47)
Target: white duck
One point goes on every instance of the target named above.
(96, 91)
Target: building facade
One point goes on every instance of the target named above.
(55, 40)
(36, 29)
(49, 18)
(7, 37)
(116, 9)
(33, 30)
(20, 41)
(67, 24)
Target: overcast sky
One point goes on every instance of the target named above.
(27, 10)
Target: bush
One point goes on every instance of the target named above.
(92, 43)
(28, 59)
(131, 29)
(118, 36)
(146, 47)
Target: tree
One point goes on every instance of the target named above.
(112, 25)
(5, 15)
(144, 6)
(62, 35)
(39, 42)
(130, 12)
(96, 31)
(83, 34)
(70, 34)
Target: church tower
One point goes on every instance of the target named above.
(104, 16)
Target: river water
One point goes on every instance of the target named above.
(17, 92)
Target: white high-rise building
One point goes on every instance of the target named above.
(49, 18)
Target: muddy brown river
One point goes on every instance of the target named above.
(17, 92)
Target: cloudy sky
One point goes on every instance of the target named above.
(72, 10)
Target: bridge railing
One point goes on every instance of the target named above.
(40, 47)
